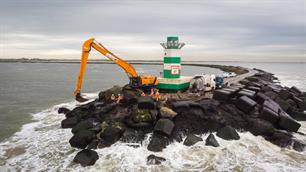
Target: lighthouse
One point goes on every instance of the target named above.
(172, 69)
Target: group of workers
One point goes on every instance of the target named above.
(154, 93)
(118, 99)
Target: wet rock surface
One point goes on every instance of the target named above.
(257, 104)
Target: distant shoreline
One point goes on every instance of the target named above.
(103, 61)
(225, 68)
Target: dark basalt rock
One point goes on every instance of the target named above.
(269, 115)
(86, 157)
(164, 126)
(253, 88)
(300, 116)
(272, 105)
(158, 142)
(271, 94)
(296, 90)
(248, 93)
(111, 134)
(260, 127)
(228, 133)
(298, 146)
(154, 160)
(299, 102)
(261, 98)
(63, 110)
(211, 141)
(69, 122)
(191, 140)
(282, 103)
(93, 144)
(82, 139)
(83, 125)
(146, 102)
(288, 123)
(281, 138)
(284, 94)
(130, 95)
(222, 95)
(245, 104)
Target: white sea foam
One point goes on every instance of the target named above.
(46, 148)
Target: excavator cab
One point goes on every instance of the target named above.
(135, 82)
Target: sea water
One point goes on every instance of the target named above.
(41, 145)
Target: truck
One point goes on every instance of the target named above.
(202, 83)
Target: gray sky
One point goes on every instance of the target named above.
(218, 30)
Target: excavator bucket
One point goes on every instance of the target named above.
(79, 98)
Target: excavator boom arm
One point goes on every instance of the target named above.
(91, 43)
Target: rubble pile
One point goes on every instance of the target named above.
(257, 104)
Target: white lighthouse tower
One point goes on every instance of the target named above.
(172, 79)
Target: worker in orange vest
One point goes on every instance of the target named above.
(157, 95)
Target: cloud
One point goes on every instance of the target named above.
(212, 30)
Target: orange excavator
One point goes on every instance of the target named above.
(136, 81)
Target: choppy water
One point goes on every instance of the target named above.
(42, 145)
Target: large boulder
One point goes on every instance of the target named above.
(288, 123)
(269, 115)
(297, 115)
(158, 142)
(111, 133)
(222, 95)
(141, 115)
(228, 133)
(154, 160)
(282, 103)
(164, 126)
(191, 140)
(82, 139)
(63, 110)
(253, 88)
(83, 125)
(260, 127)
(296, 90)
(86, 157)
(245, 104)
(130, 95)
(81, 112)
(247, 93)
(146, 102)
(299, 102)
(284, 94)
(69, 122)
(211, 141)
(281, 138)
(272, 105)
(261, 98)
(271, 94)
(298, 146)
(166, 112)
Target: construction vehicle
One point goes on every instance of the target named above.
(135, 80)
(202, 83)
